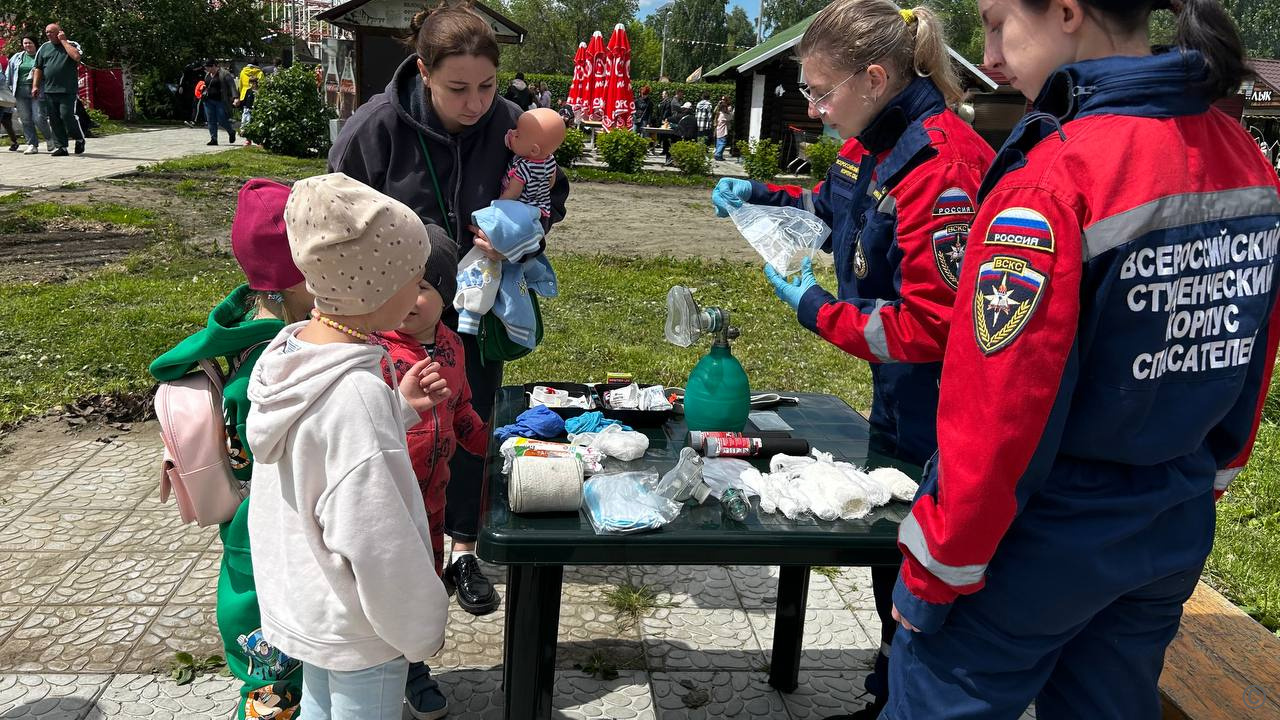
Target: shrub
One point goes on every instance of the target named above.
(289, 114)
(575, 142)
(153, 98)
(822, 155)
(622, 150)
(760, 158)
(693, 157)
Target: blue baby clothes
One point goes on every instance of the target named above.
(539, 423)
(515, 230)
(590, 422)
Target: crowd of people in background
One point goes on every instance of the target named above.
(708, 121)
(44, 82)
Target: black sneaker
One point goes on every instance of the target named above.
(60, 152)
(231, 137)
(79, 147)
(475, 593)
(212, 142)
(14, 147)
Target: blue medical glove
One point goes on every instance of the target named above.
(790, 291)
(729, 195)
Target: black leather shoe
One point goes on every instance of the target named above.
(60, 152)
(475, 593)
(79, 147)
(212, 142)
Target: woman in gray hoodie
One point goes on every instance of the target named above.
(435, 140)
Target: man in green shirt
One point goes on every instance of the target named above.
(55, 76)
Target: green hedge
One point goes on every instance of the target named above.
(559, 86)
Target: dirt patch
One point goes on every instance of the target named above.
(622, 220)
(631, 221)
(199, 210)
(57, 255)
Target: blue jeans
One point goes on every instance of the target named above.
(376, 693)
(216, 112)
(720, 144)
(31, 113)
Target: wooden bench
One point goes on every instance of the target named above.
(1222, 664)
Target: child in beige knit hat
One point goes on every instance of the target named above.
(335, 498)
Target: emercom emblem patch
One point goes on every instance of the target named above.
(1009, 289)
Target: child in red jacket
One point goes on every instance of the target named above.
(432, 442)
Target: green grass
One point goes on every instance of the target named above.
(1245, 563)
(610, 313)
(830, 573)
(12, 198)
(242, 164)
(632, 602)
(650, 178)
(120, 319)
(34, 217)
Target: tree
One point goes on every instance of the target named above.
(646, 50)
(695, 36)
(555, 29)
(782, 14)
(140, 36)
(742, 32)
(964, 26)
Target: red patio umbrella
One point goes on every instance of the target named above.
(597, 57)
(620, 103)
(577, 88)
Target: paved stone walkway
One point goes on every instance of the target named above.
(100, 585)
(103, 157)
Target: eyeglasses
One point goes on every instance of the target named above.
(820, 103)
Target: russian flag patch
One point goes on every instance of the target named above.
(1022, 228)
(953, 201)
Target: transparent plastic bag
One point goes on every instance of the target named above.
(724, 473)
(624, 503)
(784, 236)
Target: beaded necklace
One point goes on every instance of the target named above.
(361, 336)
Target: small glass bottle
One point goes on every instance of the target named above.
(735, 504)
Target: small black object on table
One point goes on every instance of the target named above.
(537, 547)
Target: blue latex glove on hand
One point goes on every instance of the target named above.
(729, 195)
(790, 291)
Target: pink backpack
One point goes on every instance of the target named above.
(196, 465)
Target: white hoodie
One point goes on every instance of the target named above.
(339, 533)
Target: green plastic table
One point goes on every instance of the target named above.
(537, 547)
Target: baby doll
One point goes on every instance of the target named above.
(534, 140)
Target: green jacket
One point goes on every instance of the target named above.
(230, 332)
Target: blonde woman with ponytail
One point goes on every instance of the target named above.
(1112, 345)
(899, 200)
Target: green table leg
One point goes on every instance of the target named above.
(788, 627)
(533, 622)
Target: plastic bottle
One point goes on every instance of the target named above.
(735, 504)
(717, 395)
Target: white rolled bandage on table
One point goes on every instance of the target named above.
(540, 484)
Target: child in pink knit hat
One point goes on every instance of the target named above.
(238, 331)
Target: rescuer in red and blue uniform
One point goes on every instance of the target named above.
(899, 200)
(1112, 345)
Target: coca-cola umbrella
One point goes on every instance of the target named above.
(620, 105)
(577, 87)
(597, 58)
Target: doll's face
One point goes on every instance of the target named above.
(537, 133)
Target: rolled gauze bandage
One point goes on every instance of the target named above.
(545, 485)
